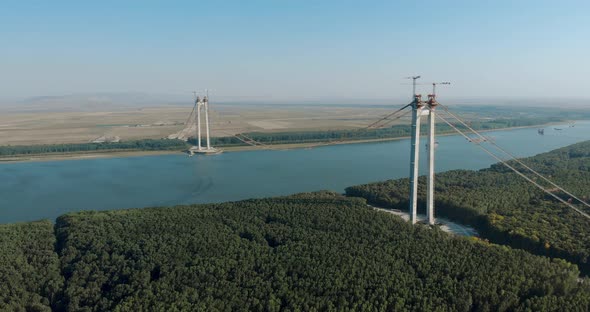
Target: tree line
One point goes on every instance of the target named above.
(395, 131)
(141, 145)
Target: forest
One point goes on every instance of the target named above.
(137, 145)
(30, 278)
(505, 208)
(306, 252)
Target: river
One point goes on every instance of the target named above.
(38, 190)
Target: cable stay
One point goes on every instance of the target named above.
(514, 158)
(244, 140)
(248, 140)
(193, 110)
(389, 118)
(516, 170)
(189, 117)
(376, 123)
(387, 123)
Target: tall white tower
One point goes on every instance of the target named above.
(431, 148)
(206, 106)
(417, 112)
(203, 105)
(198, 104)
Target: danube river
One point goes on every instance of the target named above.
(38, 190)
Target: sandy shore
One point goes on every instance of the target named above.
(444, 223)
(111, 154)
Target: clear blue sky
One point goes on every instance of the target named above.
(290, 49)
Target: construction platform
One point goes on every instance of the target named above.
(204, 151)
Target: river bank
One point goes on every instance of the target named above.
(286, 146)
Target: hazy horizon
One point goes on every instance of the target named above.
(287, 51)
(129, 100)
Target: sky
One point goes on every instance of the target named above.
(281, 50)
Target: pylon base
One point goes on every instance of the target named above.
(204, 151)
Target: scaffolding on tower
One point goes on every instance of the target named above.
(419, 109)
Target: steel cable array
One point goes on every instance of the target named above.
(515, 170)
(512, 157)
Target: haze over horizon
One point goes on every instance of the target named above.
(302, 50)
(131, 100)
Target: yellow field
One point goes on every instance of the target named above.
(160, 122)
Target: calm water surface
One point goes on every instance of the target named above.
(38, 190)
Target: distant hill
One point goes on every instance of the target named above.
(95, 102)
(125, 100)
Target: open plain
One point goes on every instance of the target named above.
(55, 127)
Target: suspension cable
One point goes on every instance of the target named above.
(514, 158)
(516, 171)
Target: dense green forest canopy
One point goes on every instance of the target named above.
(30, 278)
(507, 209)
(317, 251)
(306, 252)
